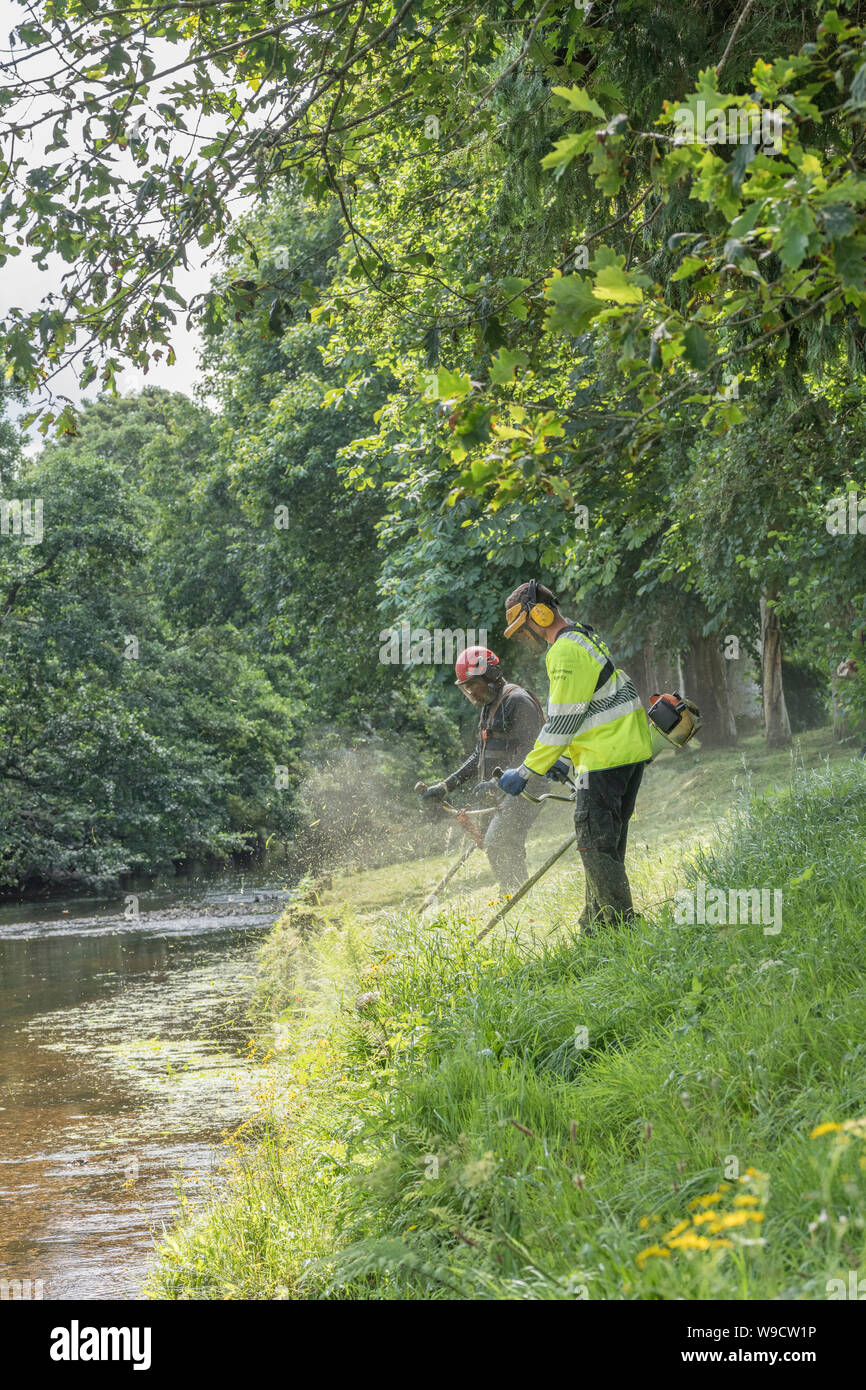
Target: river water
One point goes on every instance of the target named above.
(123, 1058)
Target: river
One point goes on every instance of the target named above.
(123, 1057)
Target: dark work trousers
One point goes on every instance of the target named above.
(603, 808)
(505, 841)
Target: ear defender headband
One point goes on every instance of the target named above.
(540, 613)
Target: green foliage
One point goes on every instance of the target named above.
(129, 741)
(495, 277)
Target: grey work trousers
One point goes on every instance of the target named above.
(603, 808)
(505, 841)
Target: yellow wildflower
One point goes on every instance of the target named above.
(690, 1241)
(737, 1218)
(651, 1250)
(703, 1201)
(827, 1128)
(676, 1230)
(745, 1200)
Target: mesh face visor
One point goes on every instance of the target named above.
(482, 682)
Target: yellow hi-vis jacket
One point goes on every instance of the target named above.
(594, 714)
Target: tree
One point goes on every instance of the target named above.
(128, 742)
(357, 99)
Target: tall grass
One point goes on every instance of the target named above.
(547, 1117)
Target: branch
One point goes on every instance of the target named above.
(13, 592)
(732, 39)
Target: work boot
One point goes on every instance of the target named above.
(508, 888)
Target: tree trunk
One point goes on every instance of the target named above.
(841, 726)
(777, 726)
(841, 723)
(643, 672)
(706, 684)
(654, 672)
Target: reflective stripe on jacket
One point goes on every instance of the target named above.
(595, 725)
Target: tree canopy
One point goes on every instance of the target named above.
(571, 289)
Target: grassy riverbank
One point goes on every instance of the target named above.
(549, 1117)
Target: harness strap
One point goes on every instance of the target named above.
(485, 727)
(607, 669)
(489, 713)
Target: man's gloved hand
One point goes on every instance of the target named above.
(437, 792)
(559, 772)
(512, 781)
(485, 789)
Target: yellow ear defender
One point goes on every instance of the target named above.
(530, 608)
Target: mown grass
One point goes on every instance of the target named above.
(685, 800)
(548, 1117)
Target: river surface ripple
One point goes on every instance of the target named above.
(123, 1058)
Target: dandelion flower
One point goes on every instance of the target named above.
(651, 1250)
(690, 1241)
(737, 1218)
(677, 1230)
(703, 1201)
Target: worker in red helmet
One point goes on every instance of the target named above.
(509, 722)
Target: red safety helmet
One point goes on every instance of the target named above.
(477, 661)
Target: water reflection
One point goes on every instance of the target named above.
(122, 1059)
